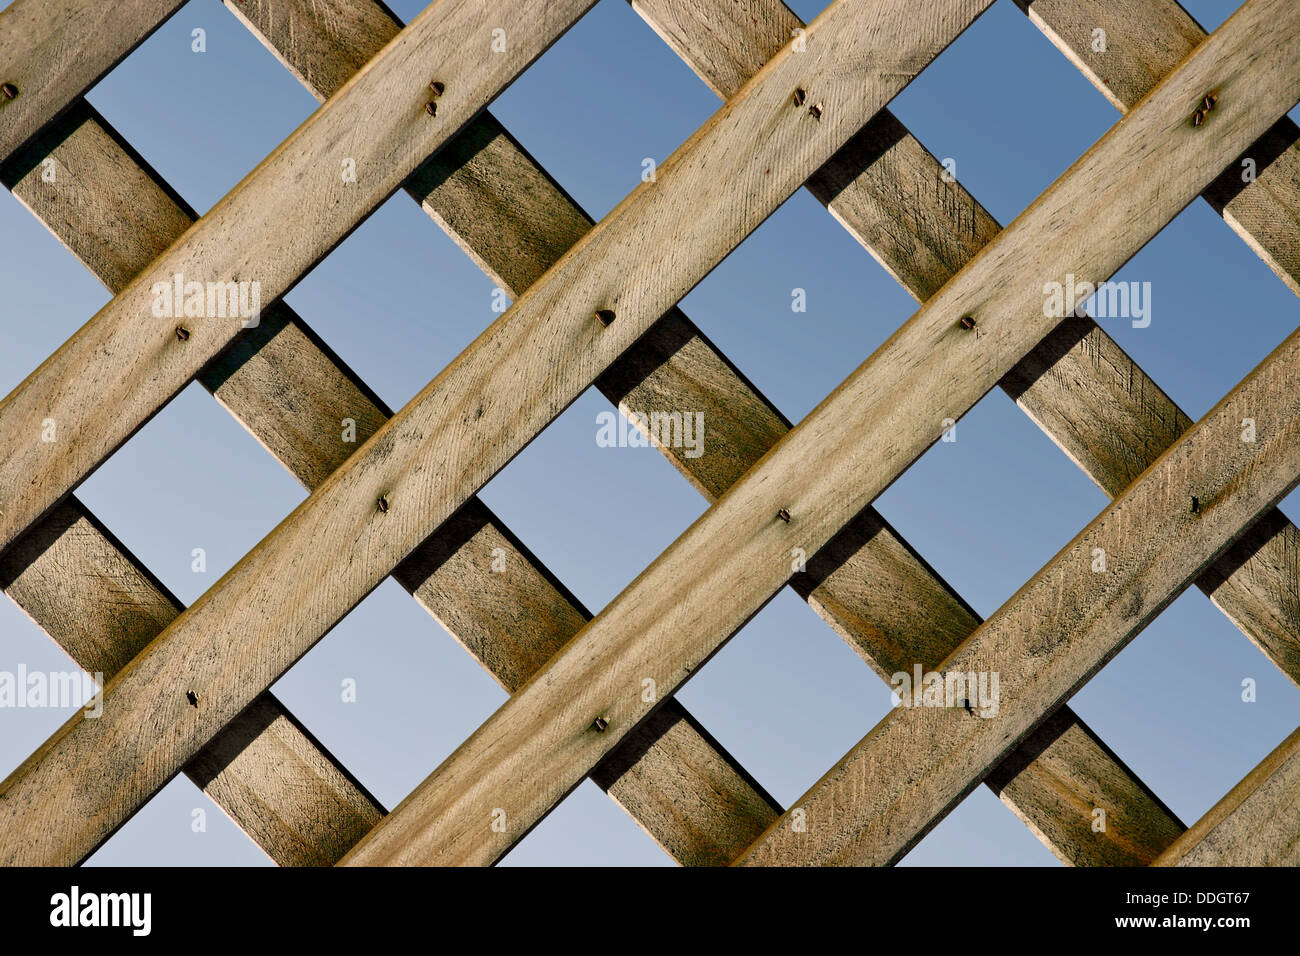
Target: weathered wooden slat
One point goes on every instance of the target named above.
(52, 51)
(671, 619)
(515, 221)
(98, 603)
(1093, 400)
(1256, 824)
(126, 362)
(889, 192)
(293, 394)
(1145, 40)
(1079, 386)
(1254, 585)
(1062, 627)
(466, 424)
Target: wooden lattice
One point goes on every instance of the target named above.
(187, 688)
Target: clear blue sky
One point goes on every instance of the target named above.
(398, 300)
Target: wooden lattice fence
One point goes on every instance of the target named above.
(804, 105)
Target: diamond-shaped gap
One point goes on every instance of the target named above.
(36, 698)
(1214, 309)
(179, 826)
(587, 828)
(1172, 705)
(980, 831)
(595, 515)
(787, 697)
(191, 493)
(799, 256)
(1007, 107)
(988, 509)
(197, 128)
(389, 693)
(397, 299)
(49, 294)
(607, 96)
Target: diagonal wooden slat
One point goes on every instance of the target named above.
(548, 347)
(1078, 385)
(91, 595)
(1257, 823)
(126, 362)
(670, 620)
(1145, 40)
(115, 213)
(1253, 586)
(1062, 627)
(52, 51)
(514, 221)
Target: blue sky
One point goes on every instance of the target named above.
(398, 300)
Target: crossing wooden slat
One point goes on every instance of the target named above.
(52, 51)
(671, 619)
(1079, 386)
(293, 394)
(1061, 628)
(466, 424)
(127, 362)
(1256, 824)
(1145, 40)
(98, 603)
(514, 221)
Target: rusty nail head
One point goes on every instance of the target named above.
(606, 316)
(182, 333)
(816, 111)
(9, 90)
(601, 724)
(383, 504)
(192, 697)
(1198, 118)
(799, 96)
(436, 88)
(431, 108)
(784, 515)
(1208, 103)
(967, 322)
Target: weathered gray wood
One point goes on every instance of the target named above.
(1256, 824)
(293, 394)
(126, 362)
(52, 51)
(515, 221)
(1079, 386)
(1062, 626)
(1256, 588)
(95, 600)
(672, 618)
(465, 425)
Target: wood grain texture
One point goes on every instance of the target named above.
(888, 191)
(126, 362)
(52, 51)
(293, 393)
(1256, 824)
(514, 221)
(101, 606)
(464, 426)
(1145, 40)
(1079, 386)
(670, 620)
(1059, 629)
